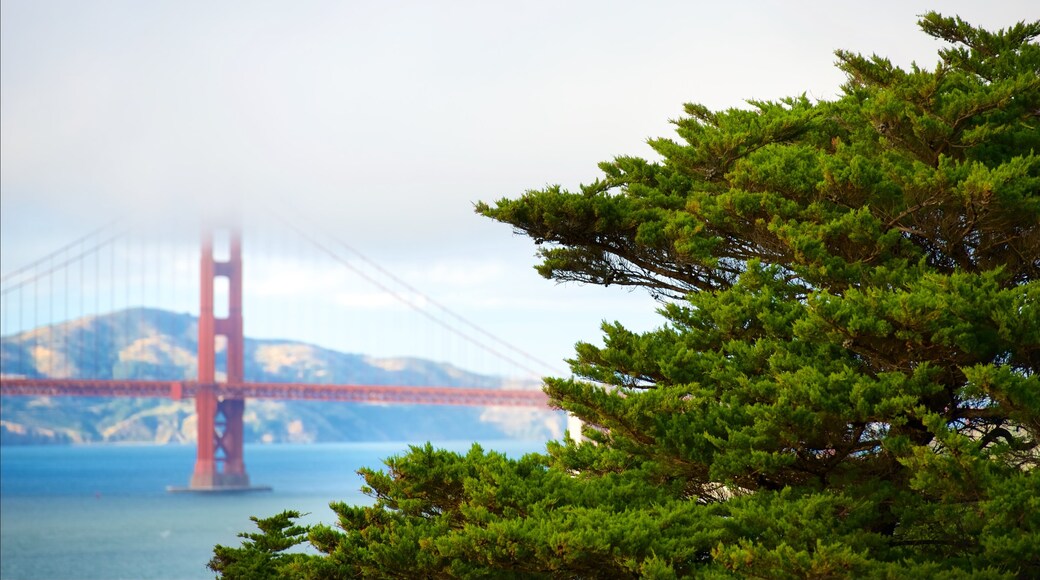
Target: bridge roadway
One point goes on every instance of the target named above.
(385, 394)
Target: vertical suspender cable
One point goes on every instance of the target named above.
(97, 317)
(92, 356)
(4, 318)
(7, 325)
(80, 315)
(66, 328)
(66, 346)
(118, 311)
(110, 331)
(7, 333)
(128, 331)
(48, 342)
(21, 331)
(18, 327)
(161, 265)
(157, 289)
(36, 323)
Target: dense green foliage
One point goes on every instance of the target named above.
(847, 383)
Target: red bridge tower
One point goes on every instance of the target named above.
(219, 464)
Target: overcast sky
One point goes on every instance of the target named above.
(385, 121)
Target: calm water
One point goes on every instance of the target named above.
(101, 512)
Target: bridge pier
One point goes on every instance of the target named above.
(219, 462)
(219, 458)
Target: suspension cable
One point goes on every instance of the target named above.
(397, 295)
(420, 294)
(60, 250)
(54, 267)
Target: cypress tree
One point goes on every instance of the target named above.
(845, 383)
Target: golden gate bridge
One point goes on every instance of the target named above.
(220, 394)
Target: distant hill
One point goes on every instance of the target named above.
(156, 344)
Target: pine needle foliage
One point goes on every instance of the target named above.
(847, 380)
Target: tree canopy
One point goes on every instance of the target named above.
(847, 379)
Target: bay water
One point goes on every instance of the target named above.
(102, 512)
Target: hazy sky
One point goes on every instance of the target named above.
(386, 120)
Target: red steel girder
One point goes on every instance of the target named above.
(377, 394)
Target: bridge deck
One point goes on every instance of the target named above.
(384, 394)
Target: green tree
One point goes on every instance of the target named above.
(847, 381)
(262, 556)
